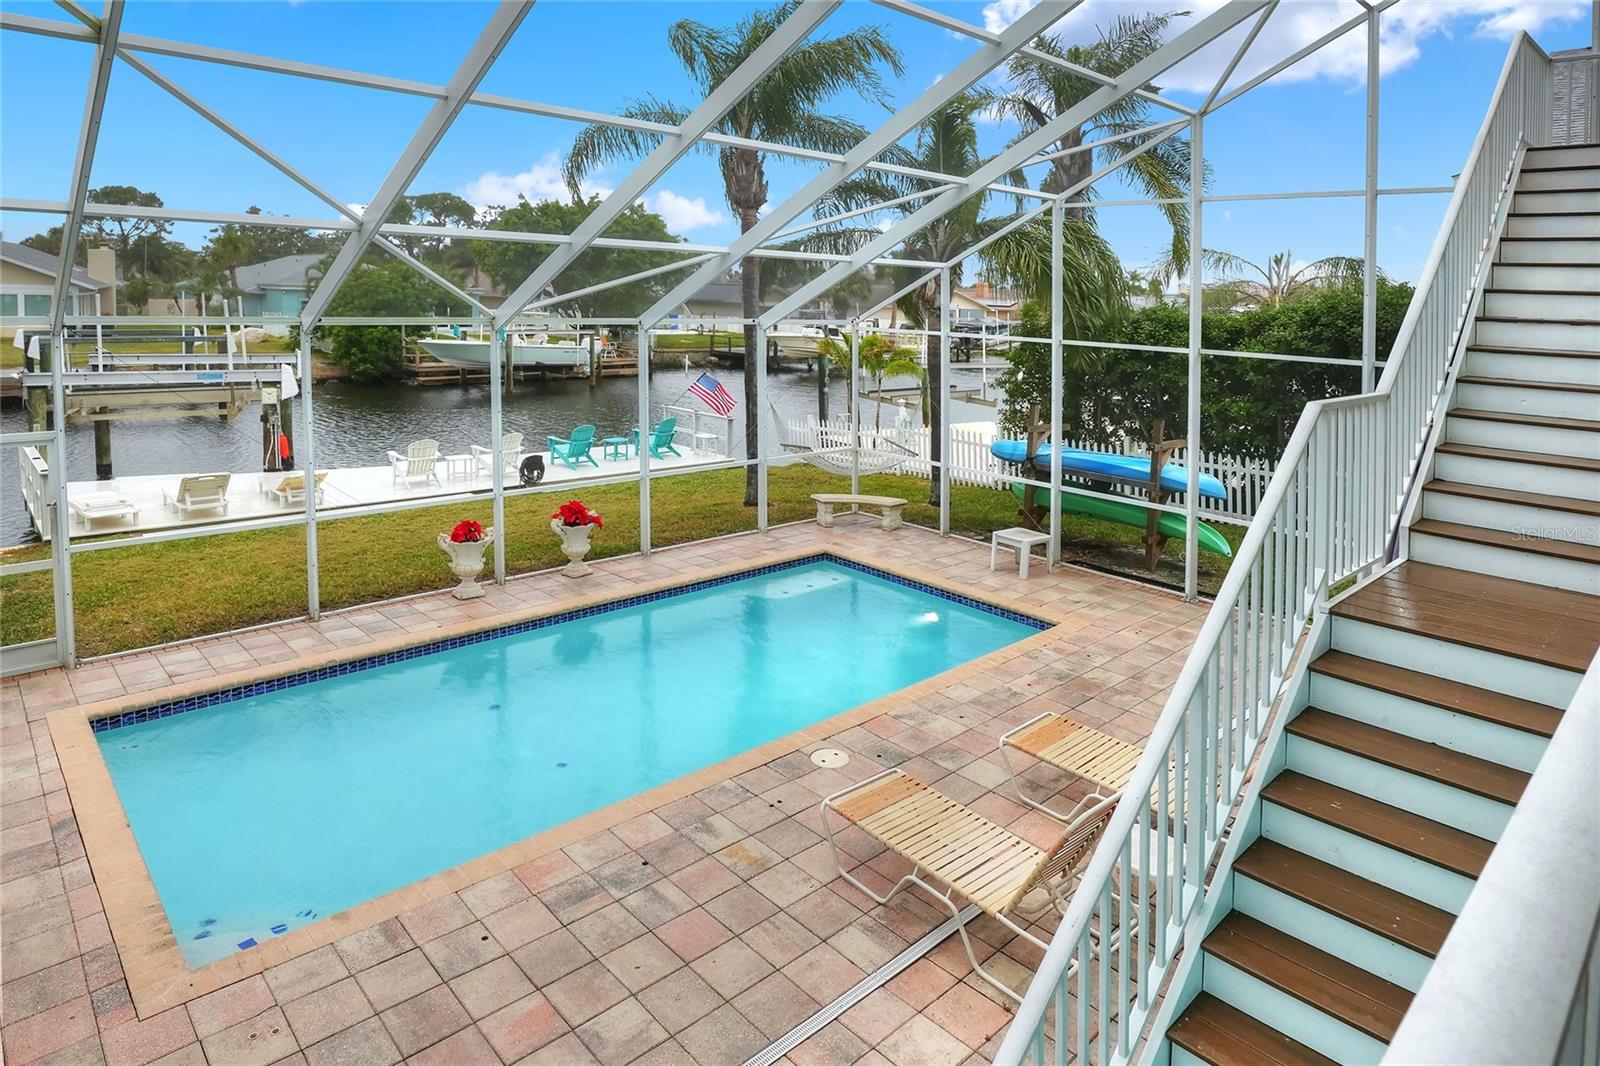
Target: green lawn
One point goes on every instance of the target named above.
(149, 594)
(695, 342)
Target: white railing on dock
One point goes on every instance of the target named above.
(972, 463)
(1327, 514)
(34, 476)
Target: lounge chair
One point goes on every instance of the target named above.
(199, 492)
(1069, 745)
(966, 853)
(291, 488)
(660, 438)
(420, 463)
(96, 505)
(510, 448)
(575, 449)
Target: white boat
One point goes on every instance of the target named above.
(526, 351)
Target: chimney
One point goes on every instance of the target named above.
(982, 290)
(103, 269)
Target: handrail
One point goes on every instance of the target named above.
(1515, 982)
(1326, 515)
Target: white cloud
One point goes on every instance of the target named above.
(683, 213)
(1405, 27)
(541, 181)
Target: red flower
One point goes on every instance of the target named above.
(467, 532)
(574, 513)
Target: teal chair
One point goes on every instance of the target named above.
(574, 450)
(660, 438)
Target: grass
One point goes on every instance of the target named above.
(11, 357)
(149, 594)
(695, 342)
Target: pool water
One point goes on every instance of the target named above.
(267, 812)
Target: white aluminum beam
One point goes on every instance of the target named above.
(1369, 251)
(277, 162)
(814, 223)
(615, 282)
(1294, 57)
(203, 53)
(495, 36)
(955, 25)
(767, 55)
(1165, 57)
(966, 74)
(88, 139)
(1238, 55)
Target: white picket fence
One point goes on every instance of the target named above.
(971, 462)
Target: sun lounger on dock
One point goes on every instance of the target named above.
(96, 505)
(199, 492)
(290, 488)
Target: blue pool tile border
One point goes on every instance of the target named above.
(306, 677)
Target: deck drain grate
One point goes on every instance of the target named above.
(829, 758)
(861, 990)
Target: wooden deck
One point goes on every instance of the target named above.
(1495, 614)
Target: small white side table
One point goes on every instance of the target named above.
(1019, 539)
(459, 466)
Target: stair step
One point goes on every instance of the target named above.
(1360, 902)
(1464, 772)
(1515, 497)
(1585, 425)
(1494, 538)
(1507, 455)
(1342, 991)
(1421, 838)
(1218, 1033)
(1517, 619)
(1524, 320)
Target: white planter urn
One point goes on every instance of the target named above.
(574, 545)
(466, 562)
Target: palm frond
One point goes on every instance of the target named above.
(597, 145)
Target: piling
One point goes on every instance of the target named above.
(102, 449)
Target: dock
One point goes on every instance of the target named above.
(344, 489)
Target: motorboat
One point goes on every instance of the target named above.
(527, 350)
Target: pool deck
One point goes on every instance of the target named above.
(695, 923)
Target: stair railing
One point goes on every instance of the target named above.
(1327, 515)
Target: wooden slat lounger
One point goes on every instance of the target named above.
(1074, 747)
(966, 853)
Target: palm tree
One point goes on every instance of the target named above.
(1279, 279)
(1043, 91)
(879, 356)
(947, 141)
(784, 107)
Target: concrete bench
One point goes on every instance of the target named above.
(891, 506)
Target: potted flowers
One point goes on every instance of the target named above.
(465, 544)
(573, 523)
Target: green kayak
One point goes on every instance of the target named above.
(1128, 514)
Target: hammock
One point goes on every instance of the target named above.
(877, 453)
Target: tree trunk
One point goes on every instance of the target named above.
(750, 294)
(1069, 170)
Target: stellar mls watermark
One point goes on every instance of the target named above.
(1575, 533)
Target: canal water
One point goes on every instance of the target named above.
(357, 424)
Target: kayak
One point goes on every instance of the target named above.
(1128, 514)
(1085, 463)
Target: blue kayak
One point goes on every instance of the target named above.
(1174, 478)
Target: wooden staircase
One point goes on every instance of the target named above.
(1444, 681)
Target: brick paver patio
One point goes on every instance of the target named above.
(696, 932)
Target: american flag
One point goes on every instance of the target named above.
(711, 391)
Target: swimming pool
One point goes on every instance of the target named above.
(263, 808)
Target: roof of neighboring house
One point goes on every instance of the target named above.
(285, 272)
(992, 298)
(718, 292)
(45, 263)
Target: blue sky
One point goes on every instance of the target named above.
(1301, 131)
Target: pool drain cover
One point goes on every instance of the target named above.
(829, 757)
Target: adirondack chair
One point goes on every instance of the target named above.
(660, 438)
(510, 448)
(199, 492)
(420, 463)
(575, 449)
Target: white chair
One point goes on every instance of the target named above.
(510, 448)
(199, 492)
(420, 463)
(96, 505)
(291, 488)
